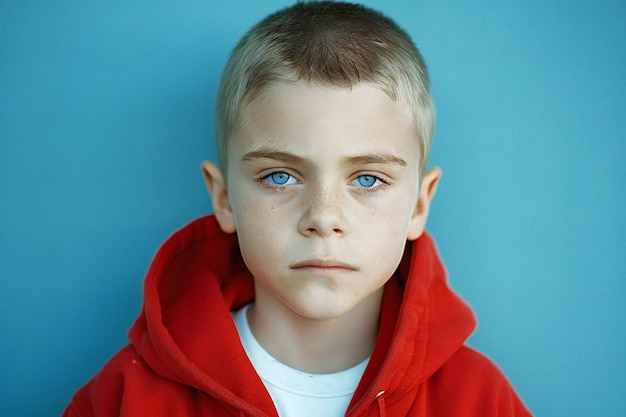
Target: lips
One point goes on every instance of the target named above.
(324, 266)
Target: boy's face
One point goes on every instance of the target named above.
(323, 192)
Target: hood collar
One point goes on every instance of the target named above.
(185, 331)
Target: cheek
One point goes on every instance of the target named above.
(390, 221)
(258, 220)
(261, 230)
(385, 236)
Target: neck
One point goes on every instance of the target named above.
(319, 346)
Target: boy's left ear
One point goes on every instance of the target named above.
(426, 194)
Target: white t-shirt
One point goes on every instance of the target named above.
(296, 393)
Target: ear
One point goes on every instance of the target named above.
(426, 194)
(216, 185)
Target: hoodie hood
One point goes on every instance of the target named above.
(185, 331)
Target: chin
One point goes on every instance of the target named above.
(323, 310)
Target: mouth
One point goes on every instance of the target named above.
(323, 266)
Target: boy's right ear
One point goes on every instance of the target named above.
(216, 185)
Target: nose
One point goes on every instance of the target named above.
(323, 213)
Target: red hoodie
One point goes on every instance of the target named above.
(185, 357)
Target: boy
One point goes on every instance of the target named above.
(313, 290)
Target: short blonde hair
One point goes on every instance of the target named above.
(330, 43)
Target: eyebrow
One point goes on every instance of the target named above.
(376, 159)
(365, 159)
(273, 154)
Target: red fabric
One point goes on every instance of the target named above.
(185, 358)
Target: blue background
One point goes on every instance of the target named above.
(106, 111)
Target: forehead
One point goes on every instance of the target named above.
(302, 108)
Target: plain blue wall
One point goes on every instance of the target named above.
(106, 113)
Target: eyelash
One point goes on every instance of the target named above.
(273, 186)
(379, 183)
(383, 183)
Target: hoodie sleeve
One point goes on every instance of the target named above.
(470, 384)
(127, 387)
(103, 395)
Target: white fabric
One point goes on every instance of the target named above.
(296, 393)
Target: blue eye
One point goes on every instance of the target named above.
(366, 181)
(280, 178)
